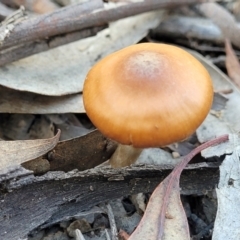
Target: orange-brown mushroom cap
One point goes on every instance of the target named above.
(148, 95)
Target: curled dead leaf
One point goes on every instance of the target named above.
(13, 153)
(165, 217)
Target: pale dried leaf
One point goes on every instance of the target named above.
(12, 101)
(177, 26)
(69, 131)
(78, 235)
(224, 20)
(232, 63)
(13, 153)
(175, 227)
(62, 70)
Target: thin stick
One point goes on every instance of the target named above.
(79, 235)
(49, 24)
(60, 21)
(12, 54)
(112, 223)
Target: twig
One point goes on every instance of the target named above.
(79, 235)
(107, 235)
(74, 18)
(112, 222)
(21, 51)
(48, 24)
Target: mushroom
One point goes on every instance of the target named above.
(147, 95)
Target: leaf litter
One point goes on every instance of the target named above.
(234, 95)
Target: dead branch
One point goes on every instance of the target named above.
(45, 23)
(77, 17)
(21, 51)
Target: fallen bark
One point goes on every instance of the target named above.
(28, 202)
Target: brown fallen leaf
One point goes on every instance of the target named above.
(83, 152)
(164, 217)
(232, 63)
(13, 153)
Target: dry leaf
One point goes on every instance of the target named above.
(12, 101)
(175, 226)
(165, 217)
(223, 19)
(82, 153)
(232, 63)
(13, 153)
(177, 26)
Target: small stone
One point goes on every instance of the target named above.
(175, 155)
(57, 236)
(80, 224)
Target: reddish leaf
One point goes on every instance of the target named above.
(164, 217)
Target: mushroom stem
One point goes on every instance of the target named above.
(124, 155)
